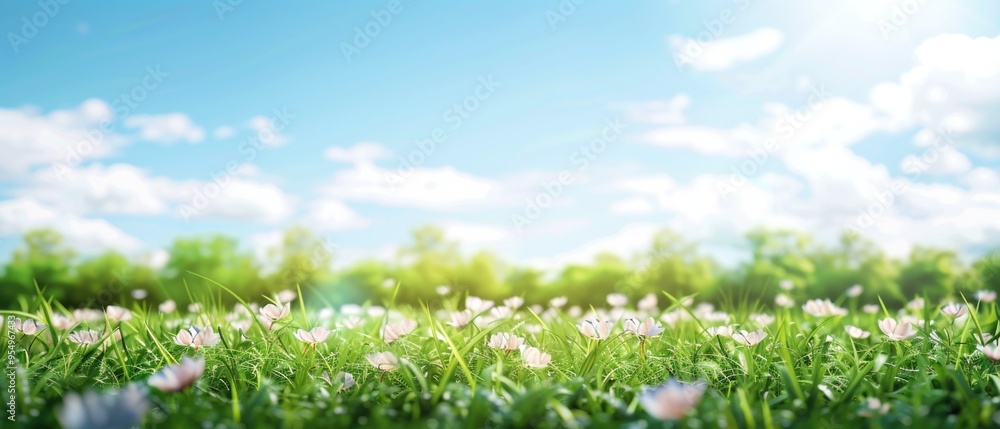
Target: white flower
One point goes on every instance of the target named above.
(351, 322)
(726, 331)
(286, 296)
(870, 308)
(505, 341)
(786, 285)
(955, 310)
(194, 307)
(385, 361)
(317, 335)
(783, 300)
(174, 378)
(62, 322)
(195, 337)
(393, 331)
(674, 317)
(647, 303)
(823, 308)
(388, 283)
(121, 409)
(595, 329)
(857, 332)
(873, 406)
(644, 329)
(343, 379)
(501, 312)
(168, 306)
(477, 305)
(118, 314)
(272, 313)
(986, 296)
(984, 337)
(460, 319)
(85, 337)
(894, 331)
(30, 327)
(762, 319)
(558, 301)
(87, 315)
(916, 305)
(673, 399)
(855, 291)
(617, 300)
(514, 302)
(750, 339)
(991, 351)
(534, 358)
(139, 294)
(442, 290)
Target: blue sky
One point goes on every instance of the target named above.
(698, 88)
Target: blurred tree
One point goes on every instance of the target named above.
(44, 259)
(304, 259)
(929, 271)
(674, 266)
(217, 258)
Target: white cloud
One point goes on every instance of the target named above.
(360, 152)
(670, 112)
(334, 215)
(477, 235)
(166, 128)
(632, 206)
(240, 199)
(724, 53)
(268, 131)
(88, 235)
(30, 139)
(706, 140)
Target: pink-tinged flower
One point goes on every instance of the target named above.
(393, 331)
(750, 339)
(139, 294)
(786, 284)
(168, 306)
(617, 300)
(342, 381)
(673, 399)
(29, 327)
(986, 296)
(823, 308)
(460, 319)
(896, 331)
(88, 315)
(595, 329)
(196, 337)
(501, 312)
(762, 319)
(385, 361)
(916, 305)
(725, 331)
(85, 338)
(873, 406)
(784, 301)
(955, 310)
(855, 291)
(442, 290)
(269, 314)
(647, 303)
(119, 409)
(194, 307)
(870, 308)
(513, 302)
(645, 329)
(351, 322)
(991, 351)
(505, 341)
(558, 302)
(62, 322)
(857, 332)
(477, 305)
(174, 378)
(534, 358)
(317, 335)
(286, 296)
(118, 314)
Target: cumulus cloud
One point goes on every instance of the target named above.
(24, 214)
(268, 131)
(166, 128)
(334, 215)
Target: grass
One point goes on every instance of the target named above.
(807, 372)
